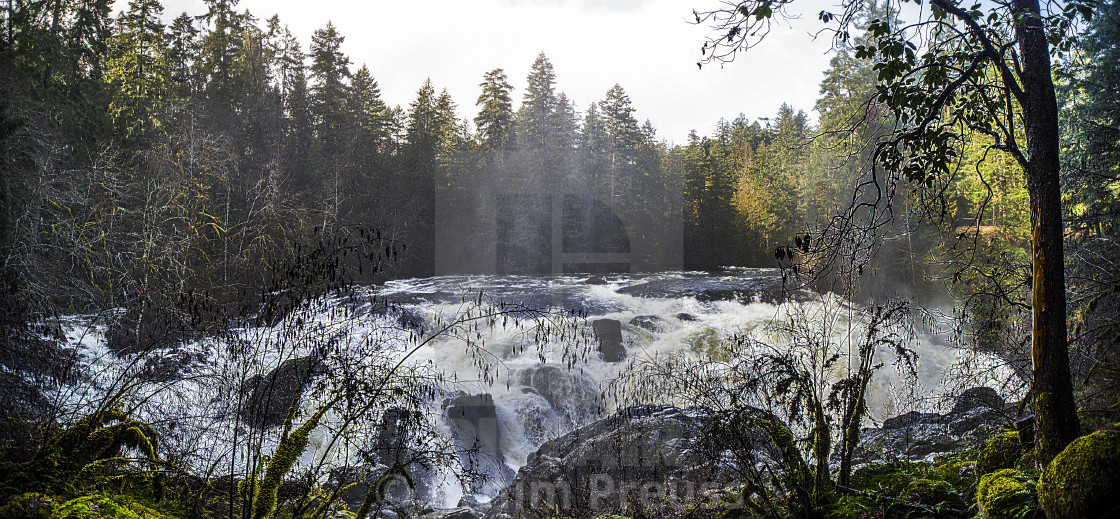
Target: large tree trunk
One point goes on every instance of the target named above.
(1054, 405)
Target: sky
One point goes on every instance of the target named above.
(647, 46)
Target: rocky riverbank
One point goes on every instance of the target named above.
(641, 455)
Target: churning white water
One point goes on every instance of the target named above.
(543, 383)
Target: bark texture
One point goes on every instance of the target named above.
(1054, 405)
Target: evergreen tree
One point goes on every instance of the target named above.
(299, 133)
(594, 162)
(431, 121)
(138, 74)
(370, 112)
(538, 105)
(1091, 92)
(495, 112)
(218, 55)
(622, 138)
(329, 72)
(182, 56)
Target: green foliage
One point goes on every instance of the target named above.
(908, 489)
(933, 492)
(1006, 494)
(100, 506)
(888, 478)
(32, 505)
(1081, 481)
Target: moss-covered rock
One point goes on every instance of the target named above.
(104, 507)
(31, 505)
(998, 453)
(933, 492)
(1082, 481)
(1006, 494)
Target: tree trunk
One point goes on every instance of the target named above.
(1054, 405)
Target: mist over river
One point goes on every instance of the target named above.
(541, 385)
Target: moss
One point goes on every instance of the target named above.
(1006, 494)
(32, 505)
(999, 452)
(85, 452)
(104, 507)
(1082, 480)
(291, 447)
(933, 492)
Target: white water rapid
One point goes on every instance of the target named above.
(533, 401)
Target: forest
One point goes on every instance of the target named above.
(188, 177)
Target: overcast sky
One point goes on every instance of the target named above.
(647, 46)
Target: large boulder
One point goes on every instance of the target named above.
(609, 334)
(975, 397)
(1082, 480)
(476, 428)
(394, 431)
(571, 394)
(644, 452)
(272, 394)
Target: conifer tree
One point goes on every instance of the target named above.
(329, 72)
(495, 112)
(138, 74)
(623, 136)
(182, 56)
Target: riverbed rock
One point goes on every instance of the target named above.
(271, 395)
(571, 394)
(406, 317)
(609, 334)
(640, 451)
(476, 428)
(975, 417)
(648, 322)
(392, 441)
(459, 513)
(975, 397)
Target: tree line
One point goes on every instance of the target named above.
(143, 157)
